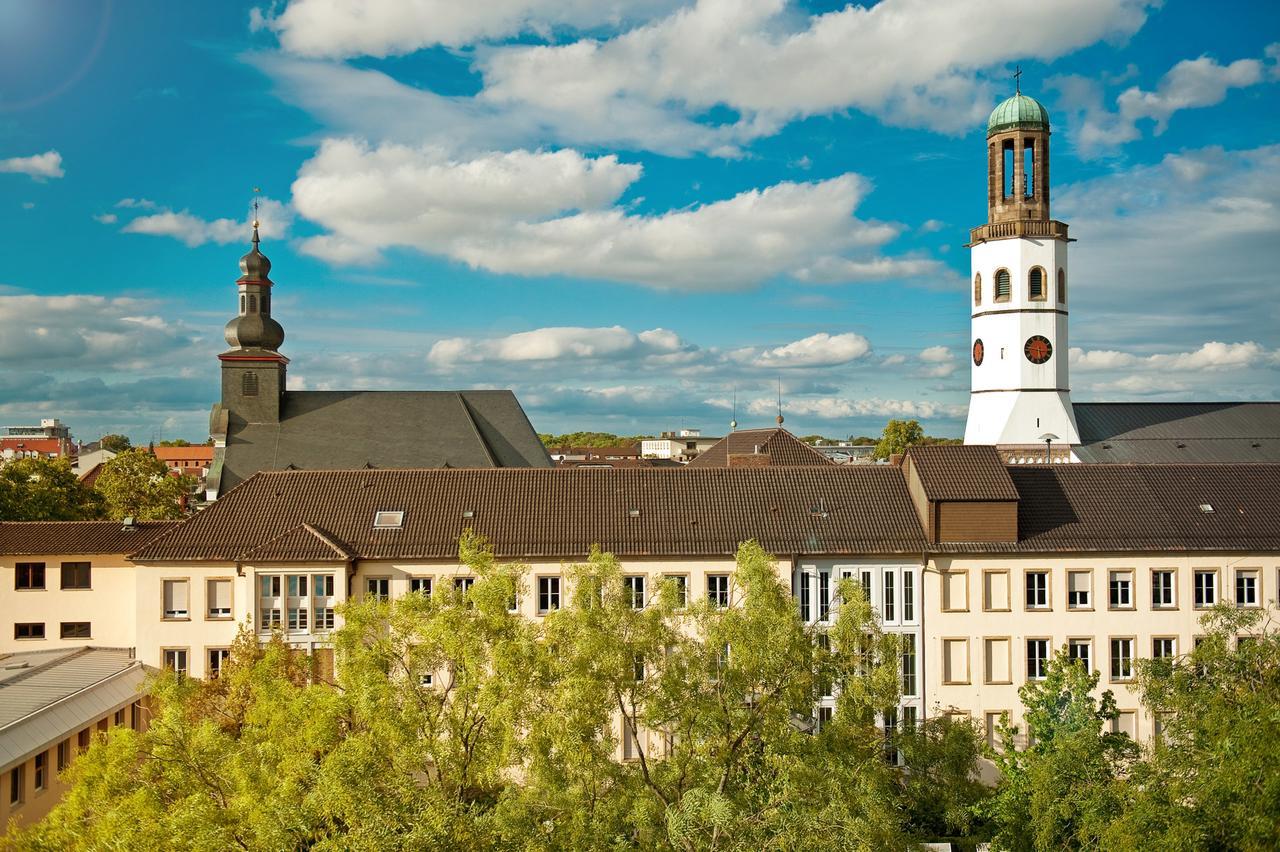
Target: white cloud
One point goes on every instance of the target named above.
(560, 344)
(106, 218)
(343, 28)
(836, 408)
(818, 350)
(137, 203)
(557, 213)
(1175, 252)
(1214, 370)
(1190, 84)
(831, 270)
(38, 166)
(182, 225)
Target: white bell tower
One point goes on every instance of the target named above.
(1020, 391)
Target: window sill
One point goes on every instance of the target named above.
(213, 618)
(76, 589)
(1120, 609)
(41, 589)
(175, 618)
(997, 683)
(29, 638)
(1080, 609)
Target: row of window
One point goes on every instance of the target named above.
(41, 776)
(997, 662)
(815, 593)
(66, 630)
(1037, 286)
(177, 660)
(30, 576)
(1120, 593)
(176, 598)
(298, 603)
(549, 589)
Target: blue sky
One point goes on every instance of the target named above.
(625, 211)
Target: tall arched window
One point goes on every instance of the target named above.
(253, 304)
(249, 384)
(1062, 285)
(1003, 285)
(1036, 285)
(977, 288)
(242, 303)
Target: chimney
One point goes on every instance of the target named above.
(895, 459)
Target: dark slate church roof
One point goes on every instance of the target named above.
(1173, 432)
(331, 430)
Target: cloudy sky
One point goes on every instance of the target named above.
(626, 211)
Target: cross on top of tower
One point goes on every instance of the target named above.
(1017, 79)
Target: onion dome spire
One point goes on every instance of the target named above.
(254, 328)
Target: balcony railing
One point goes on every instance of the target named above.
(1050, 228)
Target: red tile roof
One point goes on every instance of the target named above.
(955, 472)
(782, 448)
(77, 538)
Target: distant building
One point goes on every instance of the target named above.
(261, 425)
(192, 461)
(848, 453)
(585, 454)
(52, 703)
(774, 447)
(681, 445)
(50, 440)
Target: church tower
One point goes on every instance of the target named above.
(1020, 393)
(253, 370)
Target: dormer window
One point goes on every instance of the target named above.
(388, 520)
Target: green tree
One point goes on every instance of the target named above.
(136, 484)
(943, 793)
(175, 442)
(1212, 781)
(1065, 788)
(40, 489)
(898, 435)
(115, 443)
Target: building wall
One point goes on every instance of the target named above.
(977, 521)
(35, 802)
(977, 634)
(198, 631)
(108, 605)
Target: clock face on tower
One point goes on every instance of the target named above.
(978, 352)
(1038, 349)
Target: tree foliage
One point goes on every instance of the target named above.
(136, 484)
(115, 443)
(898, 435)
(590, 439)
(41, 489)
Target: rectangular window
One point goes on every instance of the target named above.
(421, 585)
(175, 598)
(28, 630)
(890, 736)
(637, 670)
(1126, 723)
(41, 770)
(271, 618)
(218, 598)
(118, 718)
(1206, 589)
(426, 680)
(1164, 648)
(75, 630)
(629, 750)
(955, 660)
(804, 596)
(1120, 589)
(462, 585)
(297, 585)
(1079, 586)
(824, 595)
(1247, 587)
(324, 618)
(1162, 593)
(75, 575)
(269, 585)
(217, 659)
(1037, 658)
(865, 580)
(548, 594)
(16, 782)
(681, 582)
(387, 520)
(1079, 649)
(64, 754)
(82, 739)
(378, 588)
(1121, 659)
(1037, 590)
(322, 585)
(996, 659)
(890, 597)
(718, 589)
(992, 720)
(908, 596)
(908, 664)
(635, 591)
(297, 618)
(995, 591)
(28, 575)
(175, 660)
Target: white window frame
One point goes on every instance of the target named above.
(1042, 601)
(175, 614)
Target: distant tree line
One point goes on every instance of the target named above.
(591, 439)
(455, 723)
(134, 484)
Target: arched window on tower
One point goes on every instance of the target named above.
(1062, 286)
(266, 303)
(249, 384)
(1036, 285)
(977, 288)
(242, 303)
(1003, 285)
(253, 304)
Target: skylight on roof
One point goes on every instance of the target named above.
(388, 520)
(1207, 508)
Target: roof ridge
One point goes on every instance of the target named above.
(46, 665)
(796, 440)
(475, 427)
(308, 528)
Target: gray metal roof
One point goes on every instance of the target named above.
(1173, 432)
(334, 430)
(46, 696)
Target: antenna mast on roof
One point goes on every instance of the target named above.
(779, 402)
(733, 424)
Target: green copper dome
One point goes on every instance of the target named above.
(1018, 111)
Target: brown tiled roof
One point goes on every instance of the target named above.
(303, 543)
(962, 473)
(783, 449)
(1112, 508)
(77, 538)
(198, 453)
(560, 513)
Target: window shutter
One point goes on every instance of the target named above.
(220, 594)
(175, 595)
